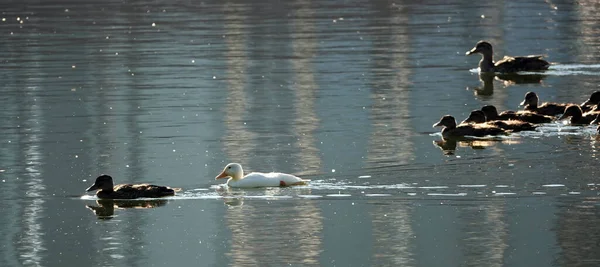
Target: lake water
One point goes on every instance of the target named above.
(340, 92)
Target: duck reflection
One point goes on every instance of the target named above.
(507, 79)
(105, 208)
(448, 146)
(231, 197)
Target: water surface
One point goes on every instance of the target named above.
(343, 94)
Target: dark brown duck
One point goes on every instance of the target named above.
(491, 113)
(451, 130)
(576, 116)
(478, 117)
(551, 109)
(507, 64)
(106, 189)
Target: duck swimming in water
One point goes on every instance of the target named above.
(257, 179)
(551, 109)
(478, 117)
(106, 189)
(450, 129)
(577, 116)
(507, 64)
(491, 113)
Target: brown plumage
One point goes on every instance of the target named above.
(450, 129)
(477, 117)
(551, 109)
(491, 113)
(507, 64)
(576, 115)
(106, 190)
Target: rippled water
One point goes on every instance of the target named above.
(343, 94)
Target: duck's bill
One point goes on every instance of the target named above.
(92, 188)
(437, 124)
(562, 117)
(522, 103)
(221, 176)
(466, 121)
(472, 51)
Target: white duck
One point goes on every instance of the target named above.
(257, 179)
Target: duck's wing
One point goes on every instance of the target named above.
(524, 63)
(143, 190)
(552, 109)
(514, 125)
(271, 179)
(532, 117)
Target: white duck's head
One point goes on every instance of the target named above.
(233, 170)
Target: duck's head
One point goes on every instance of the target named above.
(482, 47)
(594, 99)
(489, 111)
(531, 99)
(233, 170)
(571, 111)
(476, 116)
(103, 182)
(446, 121)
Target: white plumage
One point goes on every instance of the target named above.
(257, 179)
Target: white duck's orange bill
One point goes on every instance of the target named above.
(222, 175)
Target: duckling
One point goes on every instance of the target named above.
(592, 102)
(491, 113)
(450, 129)
(577, 118)
(104, 183)
(507, 64)
(478, 117)
(551, 109)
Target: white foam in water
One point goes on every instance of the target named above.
(182, 197)
(472, 185)
(411, 194)
(561, 70)
(268, 197)
(377, 195)
(574, 66)
(538, 193)
(553, 185)
(574, 193)
(433, 187)
(310, 196)
(364, 176)
(339, 195)
(447, 194)
(502, 186)
(504, 194)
